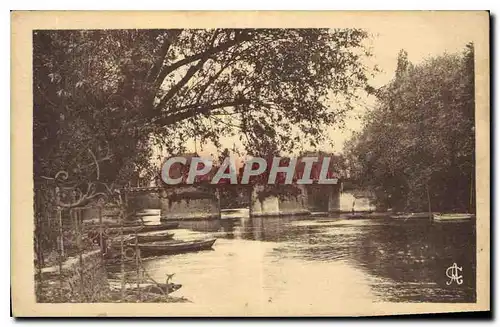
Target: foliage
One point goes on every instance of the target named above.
(113, 96)
(420, 137)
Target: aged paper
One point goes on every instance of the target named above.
(100, 100)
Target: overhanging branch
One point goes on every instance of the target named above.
(197, 109)
(166, 70)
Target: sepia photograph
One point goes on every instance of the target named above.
(250, 164)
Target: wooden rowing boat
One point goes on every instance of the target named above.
(146, 214)
(452, 217)
(159, 288)
(356, 216)
(129, 239)
(162, 236)
(412, 215)
(127, 229)
(174, 247)
(112, 224)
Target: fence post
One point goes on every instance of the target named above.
(74, 214)
(60, 252)
(137, 263)
(122, 267)
(61, 232)
(39, 255)
(101, 243)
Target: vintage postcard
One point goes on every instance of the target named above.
(225, 164)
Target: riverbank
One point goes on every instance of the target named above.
(87, 279)
(50, 293)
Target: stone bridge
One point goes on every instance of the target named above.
(188, 202)
(304, 200)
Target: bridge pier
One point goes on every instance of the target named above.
(309, 198)
(189, 203)
(262, 205)
(334, 198)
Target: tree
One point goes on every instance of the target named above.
(112, 96)
(420, 137)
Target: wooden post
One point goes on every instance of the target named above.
(61, 251)
(61, 232)
(122, 267)
(101, 239)
(75, 214)
(59, 218)
(218, 196)
(250, 200)
(429, 201)
(137, 263)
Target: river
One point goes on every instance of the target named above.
(307, 261)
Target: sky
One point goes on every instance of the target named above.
(422, 36)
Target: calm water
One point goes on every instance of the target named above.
(310, 261)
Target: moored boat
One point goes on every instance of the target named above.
(156, 288)
(412, 215)
(357, 215)
(451, 217)
(174, 247)
(129, 239)
(154, 237)
(151, 211)
(113, 229)
(146, 213)
(112, 224)
(160, 288)
(158, 227)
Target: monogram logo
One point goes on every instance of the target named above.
(453, 274)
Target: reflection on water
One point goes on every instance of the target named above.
(308, 261)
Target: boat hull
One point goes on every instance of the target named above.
(163, 289)
(453, 217)
(356, 216)
(160, 288)
(419, 215)
(146, 214)
(154, 237)
(140, 228)
(174, 247)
